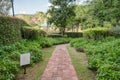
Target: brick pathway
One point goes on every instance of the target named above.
(60, 66)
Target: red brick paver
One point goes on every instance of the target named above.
(60, 66)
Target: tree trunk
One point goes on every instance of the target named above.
(62, 31)
(72, 28)
(77, 28)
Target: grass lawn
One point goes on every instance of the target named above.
(80, 63)
(35, 72)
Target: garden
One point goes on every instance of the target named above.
(91, 30)
(18, 40)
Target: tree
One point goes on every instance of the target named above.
(5, 6)
(106, 10)
(61, 11)
(40, 16)
(82, 15)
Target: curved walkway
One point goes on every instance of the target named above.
(60, 66)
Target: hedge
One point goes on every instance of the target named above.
(67, 34)
(32, 33)
(10, 29)
(96, 33)
(55, 35)
(74, 34)
(115, 31)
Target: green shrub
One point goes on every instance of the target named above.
(55, 35)
(74, 34)
(103, 56)
(10, 56)
(96, 33)
(10, 30)
(32, 33)
(67, 34)
(115, 31)
(8, 69)
(57, 41)
(45, 42)
(109, 72)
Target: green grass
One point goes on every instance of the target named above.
(79, 61)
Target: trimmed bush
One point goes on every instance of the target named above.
(45, 42)
(55, 35)
(32, 33)
(10, 30)
(115, 31)
(74, 34)
(96, 33)
(57, 41)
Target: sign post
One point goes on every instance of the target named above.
(24, 61)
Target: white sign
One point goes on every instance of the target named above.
(24, 59)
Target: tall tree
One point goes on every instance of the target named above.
(106, 10)
(60, 12)
(5, 6)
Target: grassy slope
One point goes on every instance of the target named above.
(80, 63)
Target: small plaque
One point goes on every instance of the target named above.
(24, 59)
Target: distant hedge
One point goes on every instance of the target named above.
(32, 33)
(74, 34)
(67, 34)
(55, 35)
(96, 33)
(115, 31)
(10, 29)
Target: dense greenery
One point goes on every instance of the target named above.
(10, 29)
(67, 35)
(74, 34)
(103, 55)
(32, 32)
(61, 11)
(14, 31)
(10, 55)
(94, 13)
(54, 35)
(103, 10)
(96, 33)
(17, 37)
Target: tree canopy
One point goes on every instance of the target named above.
(61, 11)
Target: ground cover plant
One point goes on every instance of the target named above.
(103, 56)
(10, 54)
